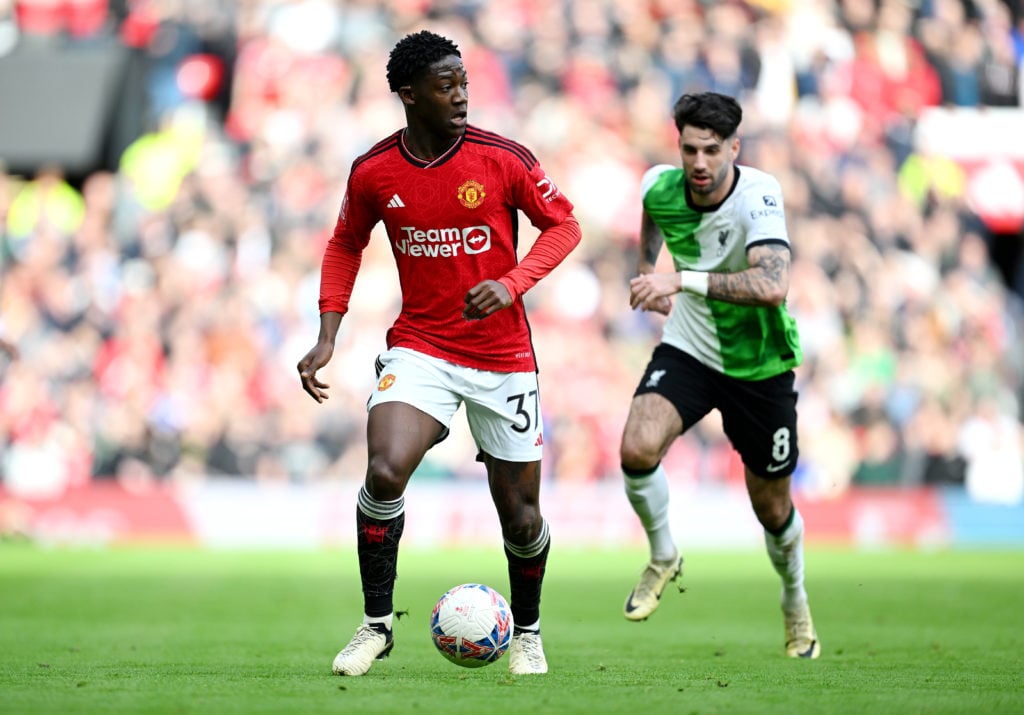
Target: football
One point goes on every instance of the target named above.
(471, 625)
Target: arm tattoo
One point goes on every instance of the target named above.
(765, 282)
(651, 240)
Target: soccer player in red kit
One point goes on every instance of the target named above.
(449, 194)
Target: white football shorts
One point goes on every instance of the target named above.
(502, 408)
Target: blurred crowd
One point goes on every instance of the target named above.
(159, 309)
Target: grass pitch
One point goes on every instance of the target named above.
(191, 631)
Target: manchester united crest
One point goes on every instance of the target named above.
(385, 382)
(471, 194)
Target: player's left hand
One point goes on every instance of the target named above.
(651, 291)
(485, 298)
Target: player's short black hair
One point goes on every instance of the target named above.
(412, 56)
(708, 110)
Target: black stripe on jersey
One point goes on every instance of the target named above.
(437, 161)
(477, 136)
(514, 216)
(768, 242)
(379, 148)
(472, 129)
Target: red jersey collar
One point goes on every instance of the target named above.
(423, 163)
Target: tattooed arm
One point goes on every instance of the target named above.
(651, 241)
(765, 282)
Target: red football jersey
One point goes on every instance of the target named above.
(452, 223)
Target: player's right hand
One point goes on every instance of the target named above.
(662, 305)
(651, 291)
(485, 298)
(315, 359)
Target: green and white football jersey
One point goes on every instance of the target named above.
(745, 342)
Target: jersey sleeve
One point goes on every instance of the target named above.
(762, 212)
(650, 177)
(551, 247)
(548, 209)
(344, 252)
(537, 196)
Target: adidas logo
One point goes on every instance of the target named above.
(540, 441)
(396, 203)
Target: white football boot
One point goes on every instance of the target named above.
(370, 643)
(644, 599)
(526, 654)
(801, 639)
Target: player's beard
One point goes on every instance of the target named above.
(711, 187)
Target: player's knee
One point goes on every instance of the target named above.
(523, 526)
(637, 457)
(384, 480)
(772, 513)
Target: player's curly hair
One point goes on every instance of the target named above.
(412, 56)
(708, 110)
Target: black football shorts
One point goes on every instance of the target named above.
(759, 416)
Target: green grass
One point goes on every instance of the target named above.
(190, 631)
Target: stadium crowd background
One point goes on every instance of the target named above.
(160, 308)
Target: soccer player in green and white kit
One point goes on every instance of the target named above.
(728, 343)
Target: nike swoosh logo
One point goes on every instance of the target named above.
(810, 651)
(629, 604)
(772, 468)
